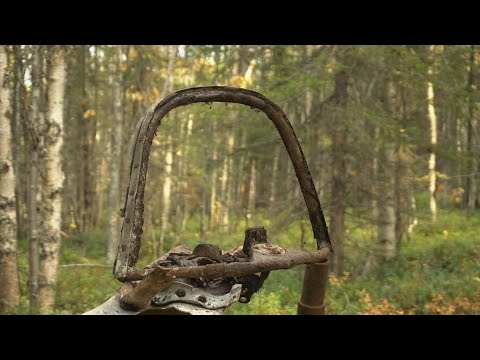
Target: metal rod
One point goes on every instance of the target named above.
(312, 301)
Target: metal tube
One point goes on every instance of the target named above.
(312, 301)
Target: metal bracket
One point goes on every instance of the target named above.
(132, 227)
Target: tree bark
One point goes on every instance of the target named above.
(20, 153)
(224, 180)
(432, 175)
(9, 289)
(214, 216)
(167, 191)
(114, 192)
(406, 216)
(374, 182)
(167, 181)
(387, 236)
(52, 187)
(168, 85)
(471, 184)
(273, 183)
(35, 124)
(93, 162)
(252, 191)
(82, 135)
(337, 217)
(386, 215)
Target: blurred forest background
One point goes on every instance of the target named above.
(391, 135)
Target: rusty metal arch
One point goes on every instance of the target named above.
(129, 246)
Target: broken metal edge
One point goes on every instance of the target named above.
(166, 302)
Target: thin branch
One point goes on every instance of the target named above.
(75, 265)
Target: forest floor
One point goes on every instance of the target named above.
(436, 272)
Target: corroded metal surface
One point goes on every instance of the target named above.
(315, 281)
(172, 301)
(184, 293)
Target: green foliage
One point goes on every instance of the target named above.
(436, 272)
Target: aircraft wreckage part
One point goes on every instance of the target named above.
(129, 246)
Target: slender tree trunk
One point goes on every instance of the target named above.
(432, 176)
(374, 183)
(20, 153)
(337, 218)
(52, 186)
(93, 164)
(213, 182)
(9, 289)
(471, 184)
(413, 221)
(224, 180)
(252, 191)
(387, 211)
(402, 188)
(240, 180)
(273, 183)
(183, 207)
(114, 192)
(203, 210)
(167, 191)
(168, 85)
(386, 215)
(35, 124)
(167, 181)
(82, 121)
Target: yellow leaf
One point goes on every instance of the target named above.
(237, 81)
(89, 113)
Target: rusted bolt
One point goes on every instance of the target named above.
(131, 192)
(180, 293)
(202, 298)
(135, 166)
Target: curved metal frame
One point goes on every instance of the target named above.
(129, 246)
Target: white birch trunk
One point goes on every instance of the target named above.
(52, 186)
(224, 204)
(433, 142)
(9, 290)
(167, 191)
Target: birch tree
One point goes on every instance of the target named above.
(9, 290)
(52, 184)
(432, 175)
